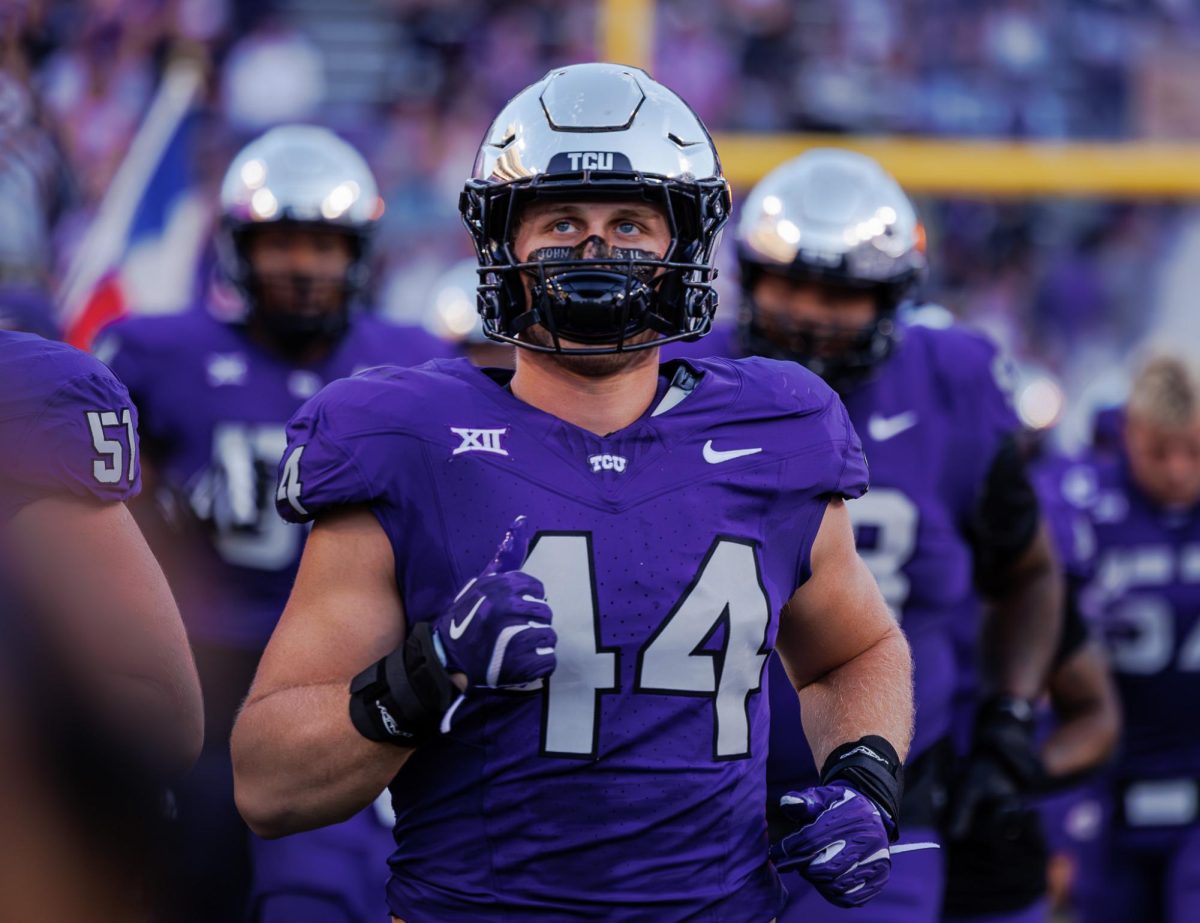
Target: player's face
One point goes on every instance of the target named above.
(299, 271)
(784, 304)
(1165, 463)
(592, 230)
(595, 228)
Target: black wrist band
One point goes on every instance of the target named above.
(401, 698)
(871, 766)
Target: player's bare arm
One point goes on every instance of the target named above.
(116, 619)
(1022, 624)
(344, 613)
(838, 638)
(1087, 713)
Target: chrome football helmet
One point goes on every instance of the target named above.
(298, 176)
(588, 132)
(833, 217)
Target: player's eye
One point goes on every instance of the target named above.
(563, 226)
(628, 227)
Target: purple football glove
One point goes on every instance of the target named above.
(497, 632)
(841, 845)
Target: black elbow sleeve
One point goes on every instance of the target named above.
(1006, 516)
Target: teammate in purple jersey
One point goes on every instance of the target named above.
(102, 703)
(297, 206)
(1005, 879)
(575, 725)
(829, 246)
(1144, 508)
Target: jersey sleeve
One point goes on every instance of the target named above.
(852, 477)
(119, 348)
(81, 441)
(1064, 492)
(831, 465)
(327, 463)
(977, 380)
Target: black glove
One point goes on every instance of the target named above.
(1001, 769)
(988, 875)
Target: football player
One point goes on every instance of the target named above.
(298, 206)
(1144, 507)
(101, 702)
(1005, 879)
(829, 247)
(574, 724)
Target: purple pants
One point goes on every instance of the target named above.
(1141, 875)
(332, 875)
(913, 893)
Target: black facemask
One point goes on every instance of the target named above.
(843, 358)
(592, 293)
(296, 329)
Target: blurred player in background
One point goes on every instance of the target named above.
(101, 702)
(1017, 873)
(606, 760)
(1144, 507)
(297, 210)
(829, 246)
(454, 316)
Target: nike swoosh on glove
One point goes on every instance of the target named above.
(841, 845)
(497, 632)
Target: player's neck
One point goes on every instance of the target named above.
(601, 404)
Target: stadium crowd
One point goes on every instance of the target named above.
(410, 82)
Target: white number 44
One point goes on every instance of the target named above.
(673, 661)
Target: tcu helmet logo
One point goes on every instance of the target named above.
(607, 463)
(590, 160)
(479, 440)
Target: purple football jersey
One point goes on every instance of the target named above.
(1064, 484)
(1146, 597)
(214, 406)
(630, 787)
(932, 419)
(66, 424)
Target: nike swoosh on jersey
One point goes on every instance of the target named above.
(715, 456)
(882, 428)
(456, 630)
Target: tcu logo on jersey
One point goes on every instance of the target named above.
(607, 463)
(479, 440)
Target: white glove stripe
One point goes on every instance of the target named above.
(912, 847)
(502, 640)
(884, 853)
(449, 716)
(463, 591)
(828, 851)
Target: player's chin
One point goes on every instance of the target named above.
(600, 366)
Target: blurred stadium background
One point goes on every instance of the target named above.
(1052, 145)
